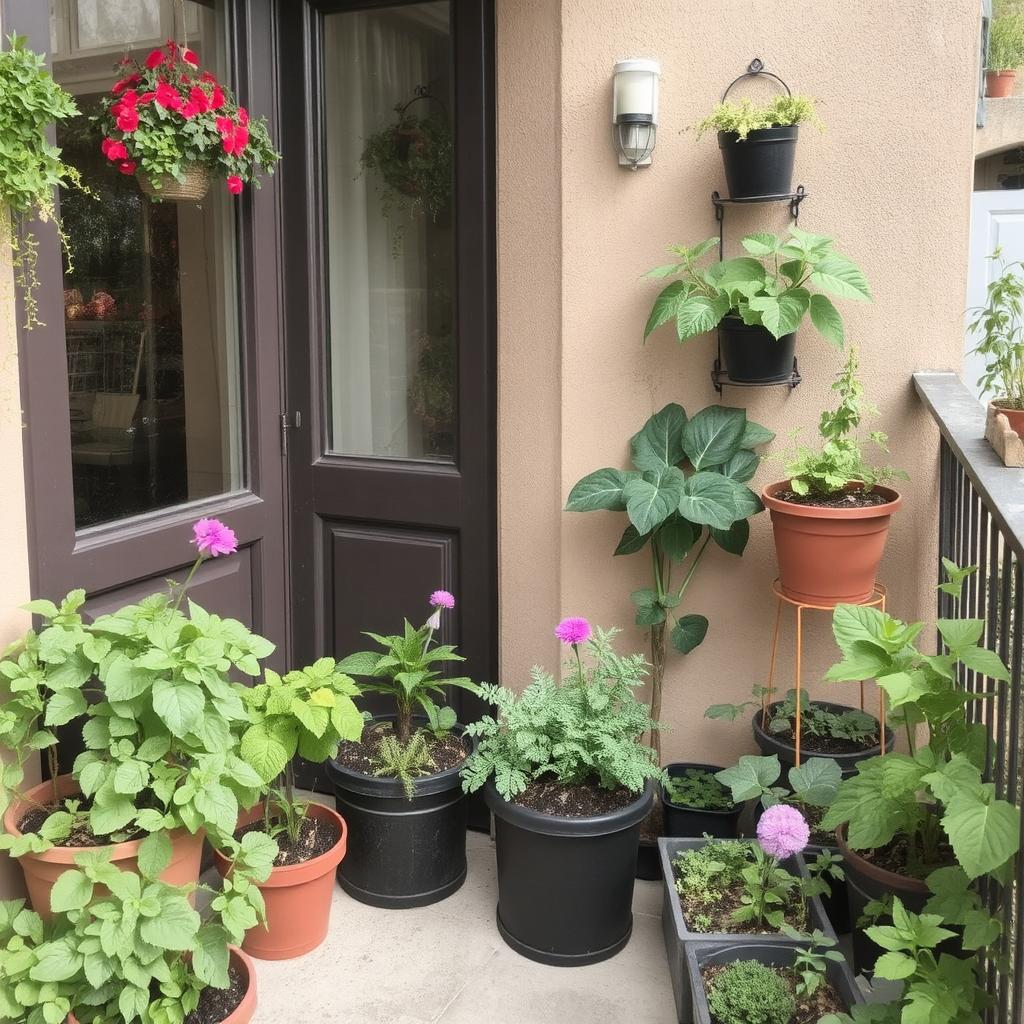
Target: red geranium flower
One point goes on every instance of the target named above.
(225, 125)
(113, 149)
(216, 97)
(237, 140)
(168, 97)
(155, 59)
(119, 87)
(199, 98)
(189, 57)
(130, 98)
(146, 97)
(127, 166)
(243, 115)
(207, 76)
(128, 119)
(234, 184)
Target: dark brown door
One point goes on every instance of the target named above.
(389, 255)
(153, 393)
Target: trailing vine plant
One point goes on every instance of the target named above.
(30, 167)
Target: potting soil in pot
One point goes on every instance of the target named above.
(842, 499)
(807, 1009)
(584, 800)
(448, 752)
(316, 837)
(217, 1004)
(81, 834)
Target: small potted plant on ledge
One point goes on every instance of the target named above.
(569, 782)
(999, 326)
(758, 301)
(694, 803)
(306, 712)
(687, 490)
(731, 889)
(398, 786)
(830, 517)
(758, 143)
(174, 127)
(1005, 48)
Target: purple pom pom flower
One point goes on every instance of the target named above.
(442, 599)
(783, 831)
(212, 537)
(573, 631)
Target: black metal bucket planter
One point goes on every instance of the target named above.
(683, 822)
(401, 853)
(678, 935)
(769, 744)
(565, 885)
(702, 955)
(761, 165)
(752, 355)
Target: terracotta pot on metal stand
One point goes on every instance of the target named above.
(828, 556)
(298, 896)
(42, 870)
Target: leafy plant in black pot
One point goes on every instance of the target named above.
(398, 788)
(757, 301)
(569, 781)
(694, 803)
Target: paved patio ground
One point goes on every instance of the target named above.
(447, 963)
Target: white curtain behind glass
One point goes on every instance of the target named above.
(378, 294)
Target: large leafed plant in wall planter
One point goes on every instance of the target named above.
(175, 127)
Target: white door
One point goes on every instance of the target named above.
(997, 219)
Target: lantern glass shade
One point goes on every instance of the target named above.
(635, 110)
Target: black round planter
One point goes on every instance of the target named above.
(401, 853)
(565, 885)
(683, 822)
(770, 744)
(752, 355)
(760, 165)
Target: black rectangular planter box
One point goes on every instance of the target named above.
(700, 954)
(678, 936)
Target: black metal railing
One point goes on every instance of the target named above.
(981, 522)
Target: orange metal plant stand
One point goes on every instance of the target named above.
(877, 600)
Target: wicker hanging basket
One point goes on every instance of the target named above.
(164, 186)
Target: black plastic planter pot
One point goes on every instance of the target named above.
(752, 355)
(678, 935)
(565, 885)
(760, 165)
(683, 822)
(401, 853)
(702, 955)
(769, 744)
(648, 863)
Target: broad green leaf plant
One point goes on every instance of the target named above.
(687, 490)
(935, 794)
(306, 712)
(31, 169)
(586, 728)
(779, 282)
(1000, 326)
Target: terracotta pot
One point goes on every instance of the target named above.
(828, 556)
(999, 84)
(244, 1012)
(41, 870)
(298, 896)
(1015, 416)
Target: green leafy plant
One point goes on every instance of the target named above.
(306, 712)
(936, 793)
(403, 761)
(586, 728)
(814, 783)
(769, 287)
(749, 992)
(30, 168)
(688, 489)
(746, 117)
(1000, 325)
(698, 788)
(938, 988)
(1006, 37)
(810, 962)
(21, 998)
(405, 671)
(839, 462)
(432, 388)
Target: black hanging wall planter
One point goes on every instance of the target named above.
(753, 356)
(761, 165)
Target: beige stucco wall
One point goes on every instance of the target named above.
(890, 179)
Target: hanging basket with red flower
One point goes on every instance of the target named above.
(175, 127)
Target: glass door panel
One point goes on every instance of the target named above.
(391, 345)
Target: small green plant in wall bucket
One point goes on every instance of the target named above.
(30, 168)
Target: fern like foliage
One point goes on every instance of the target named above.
(587, 728)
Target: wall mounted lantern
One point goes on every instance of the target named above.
(635, 111)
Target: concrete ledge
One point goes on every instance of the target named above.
(1004, 126)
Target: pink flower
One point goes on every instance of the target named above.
(127, 166)
(190, 110)
(225, 125)
(243, 115)
(114, 149)
(234, 184)
(783, 831)
(573, 631)
(442, 599)
(190, 57)
(237, 140)
(168, 97)
(155, 59)
(128, 119)
(146, 97)
(212, 537)
(119, 87)
(199, 98)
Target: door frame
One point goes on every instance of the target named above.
(306, 326)
(98, 558)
